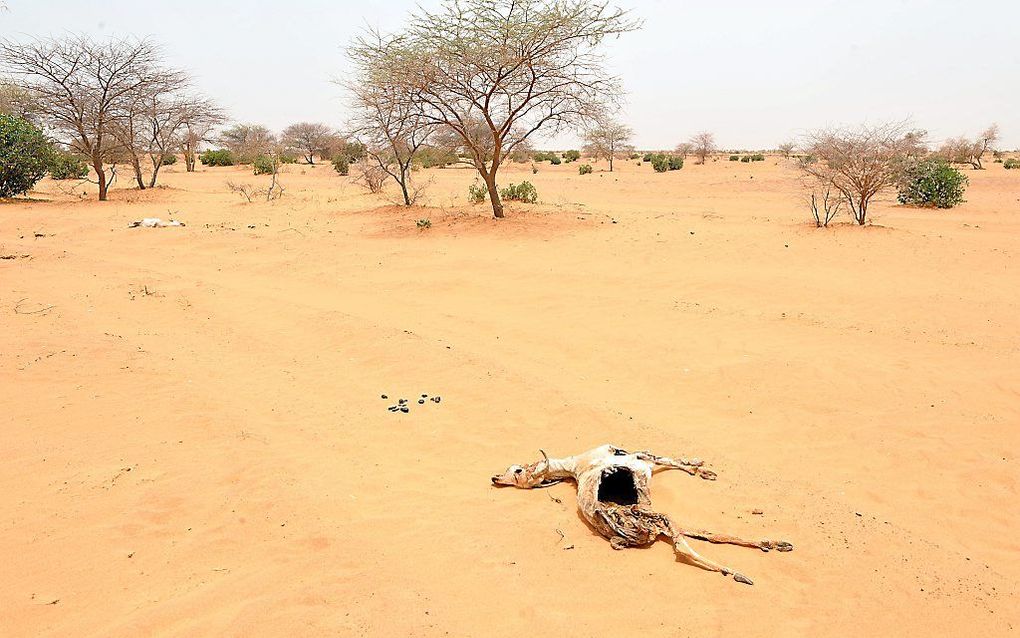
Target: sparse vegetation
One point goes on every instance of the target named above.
(702, 145)
(584, 169)
(477, 193)
(734, 158)
(220, 157)
(933, 182)
(67, 165)
(423, 224)
(264, 165)
(571, 156)
(342, 164)
(1011, 163)
(523, 192)
(24, 156)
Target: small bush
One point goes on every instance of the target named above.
(571, 156)
(675, 162)
(169, 159)
(24, 156)
(660, 163)
(554, 160)
(745, 159)
(222, 157)
(422, 224)
(1011, 163)
(734, 158)
(634, 156)
(523, 192)
(286, 158)
(647, 157)
(477, 193)
(757, 157)
(64, 165)
(584, 169)
(932, 182)
(342, 165)
(263, 165)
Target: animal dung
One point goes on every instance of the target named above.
(403, 405)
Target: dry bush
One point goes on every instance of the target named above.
(859, 162)
(702, 145)
(371, 176)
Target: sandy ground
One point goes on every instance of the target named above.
(195, 445)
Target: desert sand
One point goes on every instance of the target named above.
(195, 443)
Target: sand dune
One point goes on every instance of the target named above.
(195, 442)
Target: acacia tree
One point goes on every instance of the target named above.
(961, 150)
(702, 145)
(606, 139)
(248, 141)
(860, 162)
(85, 89)
(310, 138)
(199, 122)
(786, 149)
(515, 66)
(169, 119)
(683, 149)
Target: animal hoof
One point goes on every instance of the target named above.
(708, 475)
(421, 401)
(740, 578)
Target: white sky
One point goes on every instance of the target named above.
(755, 72)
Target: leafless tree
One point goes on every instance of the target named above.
(606, 139)
(371, 175)
(825, 206)
(516, 66)
(961, 150)
(201, 118)
(248, 141)
(683, 149)
(702, 145)
(858, 162)
(168, 119)
(786, 149)
(388, 121)
(146, 113)
(310, 139)
(16, 101)
(85, 89)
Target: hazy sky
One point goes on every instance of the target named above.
(756, 72)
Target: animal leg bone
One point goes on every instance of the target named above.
(685, 551)
(692, 466)
(711, 537)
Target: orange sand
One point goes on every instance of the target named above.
(194, 442)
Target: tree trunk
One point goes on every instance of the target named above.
(155, 172)
(138, 173)
(189, 161)
(610, 162)
(101, 178)
(403, 187)
(490, 183)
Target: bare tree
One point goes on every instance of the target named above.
(702, 145)
(515, 66)
(825, 207)
(146, 112)
(388, 121)
(606, 139)
(248, 141)
(201, 117)
(168, 119)
(683, 149)
(786, 149)
(309, 138)
(85, 90)
(859, 163)
(961, 150)
(16, 101)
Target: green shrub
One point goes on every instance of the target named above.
(634, 156)
(342, 164)
(222, 157)
(523, 192)
(263, 165)
(422, 224)
(660, 163)
(1011, 163)
(745, 159)
(734, 158)
(933, 182)
(554, 159)
(24, 156)
(65, 165)
(571, 156)
(169, 159)
(584, 169)
(477, 193)
(431, 156)
(675, 162)
(757, 157)
(647, 157)
(287, 158)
